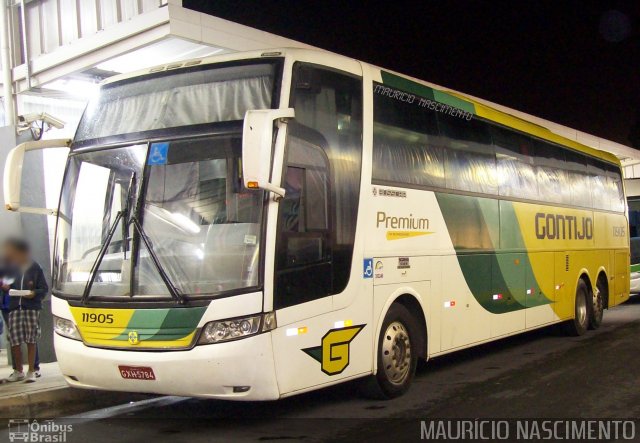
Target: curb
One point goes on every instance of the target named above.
(61, 401)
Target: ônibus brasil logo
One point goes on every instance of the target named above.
(48, 431)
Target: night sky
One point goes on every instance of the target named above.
(572, 62)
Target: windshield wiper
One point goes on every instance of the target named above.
(124, 214)
(127, 206)
(177, 295)
(101, 253)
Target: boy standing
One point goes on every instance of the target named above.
(26, 293)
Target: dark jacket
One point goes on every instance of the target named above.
(33, 280)
(4, 296)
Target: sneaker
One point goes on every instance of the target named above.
(16, 376)
(30, 377)
(38, 373)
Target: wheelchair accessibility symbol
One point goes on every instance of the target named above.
(158, 154)
(368, 268)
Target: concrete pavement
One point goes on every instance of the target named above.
(50, 396)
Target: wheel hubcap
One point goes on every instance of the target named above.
(396, 353)
(581, 309)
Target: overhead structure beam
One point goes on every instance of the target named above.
(87, 52)
(7, 85)
(171, 20)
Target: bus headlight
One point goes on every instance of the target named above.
(65, 328)
(235, 328)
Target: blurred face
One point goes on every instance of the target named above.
(14, 256)
(7, 254)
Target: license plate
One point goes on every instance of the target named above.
(137, 372)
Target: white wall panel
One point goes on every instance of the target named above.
(68, 21)
(33, 27)
(88, 17)
(50, 30)
(129, 9)
(149, 5)
(109, 12)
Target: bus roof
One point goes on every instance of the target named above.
(408, 84)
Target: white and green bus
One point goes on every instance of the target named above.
(257, 225)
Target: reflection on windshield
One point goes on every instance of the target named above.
(95, 190)
(203, 226)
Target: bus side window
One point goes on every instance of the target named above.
(581, 188)
(303, 213)
(469, 159)
(316, 260)
(551, 172)
(515, 164)
(304, 251)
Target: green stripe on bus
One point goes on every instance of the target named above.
(145, 322)
(484, 278)
(163, 324)
(479, 227)
(454, 101)
(179, 323)
(395, 81)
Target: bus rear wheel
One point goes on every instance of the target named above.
(397, 354)
(580, 322)
(597, 310)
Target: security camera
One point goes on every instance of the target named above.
(29, 122)
(33, 117)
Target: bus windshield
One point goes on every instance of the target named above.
(176, 207)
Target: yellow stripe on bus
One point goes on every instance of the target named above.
(108, 323)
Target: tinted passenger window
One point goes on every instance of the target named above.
(469, 160)
(614, 185)
(515, 166)
(413, 145)
(303, 211)
(551, 174)
(598, 184)
(578, 179)
(405, 142)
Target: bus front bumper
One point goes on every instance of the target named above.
(236, 370)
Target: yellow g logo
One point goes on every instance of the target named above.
(133, 337)
(333, 355)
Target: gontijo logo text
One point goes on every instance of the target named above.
(563, 227)
(402, 227)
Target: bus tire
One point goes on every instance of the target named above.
(397, 354)
(580, 322)
(599, 297)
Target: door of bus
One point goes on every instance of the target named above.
(316, 227)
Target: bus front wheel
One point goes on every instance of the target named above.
(397, 354)
(580, 322)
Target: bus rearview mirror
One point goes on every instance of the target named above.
(12, 180)
(257, 144)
